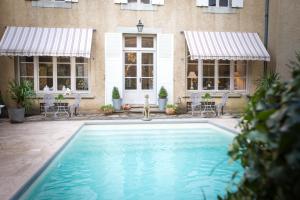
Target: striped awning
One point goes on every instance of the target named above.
(225, 46)
(37, 41)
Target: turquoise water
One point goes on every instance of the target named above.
(138, 163)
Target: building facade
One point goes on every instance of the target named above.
(138, 63)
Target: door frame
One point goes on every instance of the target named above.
(139, 50)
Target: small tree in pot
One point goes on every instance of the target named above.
(162, 100)
(117, 101)
(20, 93)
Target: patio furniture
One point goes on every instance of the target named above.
(195, 102)
(48, 103)
(208, 106)
(220, 107)
(61, 108)
(74, 108)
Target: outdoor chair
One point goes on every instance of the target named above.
(220, 107)
(74, 108)
(48, 103)
(195, 102)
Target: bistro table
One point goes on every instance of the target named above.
(207, 106)
(61, 107)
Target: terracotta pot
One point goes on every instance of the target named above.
(170, 111)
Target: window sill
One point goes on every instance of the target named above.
(49, 4)
(220, 10)
(219, 94)
(83, 96)
(135, 7)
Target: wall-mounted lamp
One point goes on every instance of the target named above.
(140, 26)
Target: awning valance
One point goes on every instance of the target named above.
(225, 46)
(37, 41)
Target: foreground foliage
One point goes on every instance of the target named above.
(269, 145)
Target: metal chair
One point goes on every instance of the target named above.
(196, 102)
(48, 103)
(220, 107)
(74, 108)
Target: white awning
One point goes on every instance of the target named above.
(37, 41)
(225, 46)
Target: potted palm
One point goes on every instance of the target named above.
(117, 101)
(20, 93)
(162, 100)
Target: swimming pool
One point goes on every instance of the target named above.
(135, 162)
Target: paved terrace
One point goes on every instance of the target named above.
(25, 148)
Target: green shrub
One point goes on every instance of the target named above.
(206, 96)
(21, 93)
(171, 106)
(115, 93)
(163, 94)
(107, 108)
(269, 144)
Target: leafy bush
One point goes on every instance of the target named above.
(21, 93)
(207, 96)
(60, 97)
(269, 144)
(107, 108)
(115, 93)
(163, 94)
(171, 106)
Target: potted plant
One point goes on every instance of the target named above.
(107, 109)
(171, 109)
(117, 101)
(20, 93)
(162, 100)
(206, 97)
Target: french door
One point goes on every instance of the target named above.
(139, 76)
(139, 68)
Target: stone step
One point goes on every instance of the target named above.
(142, 106)
(141, 110)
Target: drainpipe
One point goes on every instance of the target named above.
(266, 37)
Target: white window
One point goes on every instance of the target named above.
(55, 72)
(53, 3)
(216, 75)
(140, 1)
(219, 3)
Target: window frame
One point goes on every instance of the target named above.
(216, 77)
(55, 76)
(218, 4)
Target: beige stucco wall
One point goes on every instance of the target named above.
(105, 16)
(284, 37)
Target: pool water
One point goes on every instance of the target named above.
(139, 162)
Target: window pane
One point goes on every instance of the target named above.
(130, 71)
(212, 2)
(147, 83)
(208, 70)
(208, 83)
(147, 58)
(224, 84)
(130, 41)
(223, 3)
(240, 83)
(145, 1)
(130, 58)
(26, 69)
(63, 70)
(81, 60)
(224, 70)
(240, 68)
(45, 59)
(46, 70)
(26, 59)
(147, 42)
(63, 59)
(82, 84)
(63, 82)
(45, 81)
(81, 70)
(132, 1)
(130, 83)
(192, 76)
(147, 71)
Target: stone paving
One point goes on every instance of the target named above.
(25, 148)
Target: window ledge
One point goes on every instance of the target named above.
(220, 10)
(219, 94)
(83, 96)
(49, 4)
(136, 6)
